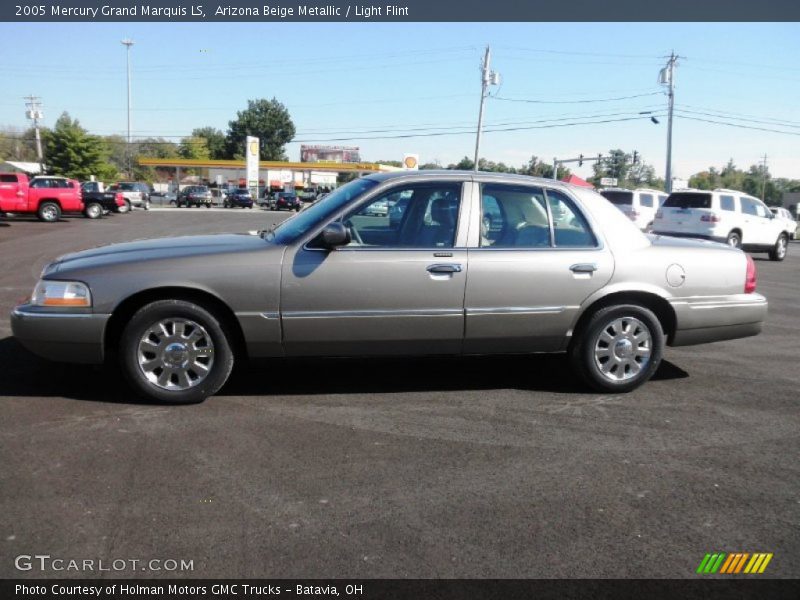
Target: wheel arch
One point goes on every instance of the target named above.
(650, 300)
(123, 312)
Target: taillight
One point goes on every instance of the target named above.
(710, 218)
(750, 276)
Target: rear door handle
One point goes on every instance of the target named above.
(583, 268)
(444, 268)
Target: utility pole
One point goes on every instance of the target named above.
(34, 113)
(484, 86)
(488, 78)
(127, 42)
(667, 77)
(764, 178)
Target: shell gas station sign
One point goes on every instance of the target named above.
(411, 162)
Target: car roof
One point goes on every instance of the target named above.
(475, 175)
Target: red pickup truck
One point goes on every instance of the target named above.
(46, 197)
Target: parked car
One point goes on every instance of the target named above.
(639, 205)
(721, 215)
(785, 217)
(177, 312)
(238, 197)
(379, 209)
(97, 201)
(45, 196)
(194, 195)
(285, 201)
(136, 194)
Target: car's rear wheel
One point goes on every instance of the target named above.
(93, 210)
(49, 212)
(147, 204)
(778, 251)
(175, 351)
(619, 348)
(734, 239)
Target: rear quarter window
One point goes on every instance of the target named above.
(618, 198)
(8, 179)
(646, 200)
(688, 200)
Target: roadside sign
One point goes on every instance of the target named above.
(252, 158)
(604, 181)
(411, 162)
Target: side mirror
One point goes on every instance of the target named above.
(334, 235)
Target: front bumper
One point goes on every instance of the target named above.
(715, 318)
(64, 337)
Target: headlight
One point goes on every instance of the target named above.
(61, 293)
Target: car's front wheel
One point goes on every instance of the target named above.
(778, 251)
(619, 348)
(175, 351)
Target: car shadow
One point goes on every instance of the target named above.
(26, 375)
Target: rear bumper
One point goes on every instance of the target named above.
(715, 318)
(64, 337)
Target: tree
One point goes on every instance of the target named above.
(194, 147)
(16, 144)
(269, 121)
(73, 152)
(215, 140)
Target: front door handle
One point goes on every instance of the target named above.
(444, 268)
(583, 268)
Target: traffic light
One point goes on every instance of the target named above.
(580, 160)
(635, 157)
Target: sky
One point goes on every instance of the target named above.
(361, 83)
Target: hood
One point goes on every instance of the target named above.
(159, 249)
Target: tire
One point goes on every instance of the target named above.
(49, 212)
(146, 204)
(93, 210)
(151, 350)
(615, 333)
(224, 205)
(734, 239)
(778, 252)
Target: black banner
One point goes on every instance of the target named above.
(397, 589)
(398, 10)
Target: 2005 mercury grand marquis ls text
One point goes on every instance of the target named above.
(454, 263)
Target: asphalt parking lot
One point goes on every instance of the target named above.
(476, 467)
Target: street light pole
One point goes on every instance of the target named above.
(127, 42)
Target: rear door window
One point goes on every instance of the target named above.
(727, 203)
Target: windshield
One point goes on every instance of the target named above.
(625, 198)
(688, 200)
(300, 224)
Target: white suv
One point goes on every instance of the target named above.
(639, 205)
(726, 216)
(783, 214)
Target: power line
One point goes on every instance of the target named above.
(593, 100)
(738, 125)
